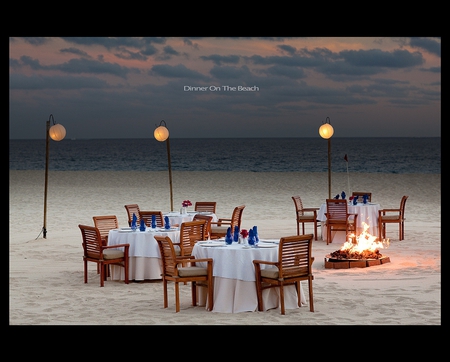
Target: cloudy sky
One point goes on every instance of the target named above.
(225, 87)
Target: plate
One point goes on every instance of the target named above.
(125, 228)
(193, 212)
(164, 229)
(210, 243)
(125, 231)
(266, 245)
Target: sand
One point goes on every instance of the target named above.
(46, 285)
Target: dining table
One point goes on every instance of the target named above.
(367, 213)
(144, 255)
(234, 276)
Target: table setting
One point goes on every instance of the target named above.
(234, 275)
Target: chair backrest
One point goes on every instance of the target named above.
(92, 241)
(402, 206)
(294, 255)
(298, 205)
(190, 233)
(147, 217)
(168, 256)
(360, 195)
(105, 223)
(337, 210)
(205, 206)
(133, 209)
(236, 217)
(208, 220)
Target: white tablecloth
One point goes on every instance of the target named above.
(144, 255)
(234, 279)
(178, 218)
(366, 213)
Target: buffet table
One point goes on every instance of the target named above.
(234, 276)
(144, 255)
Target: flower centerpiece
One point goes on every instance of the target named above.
(184, 206)
(244, 236)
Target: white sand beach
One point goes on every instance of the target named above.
(46, 285)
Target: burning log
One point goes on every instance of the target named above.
(365, 254)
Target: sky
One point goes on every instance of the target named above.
(225, 87)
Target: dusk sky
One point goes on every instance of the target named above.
(225, 87)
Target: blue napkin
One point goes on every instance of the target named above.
(337, 197)
(355, 200)
(166, 222)
(251, 237)
(365, 198)
(236, 233)
(343, 195)
(228, 238)
(153, 221)
(255, 233)
(134, 221)
(142, 227)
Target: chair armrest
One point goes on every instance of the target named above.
(389, 210)
(310, 208)
(266, 262)
(221, 221)
(116, 246)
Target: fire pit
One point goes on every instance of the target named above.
(358, 252)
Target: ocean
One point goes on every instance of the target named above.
(364, 155)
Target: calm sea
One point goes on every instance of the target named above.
(373, 155)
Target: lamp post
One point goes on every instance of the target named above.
(326, 131)
(162, 134)
(56, 132)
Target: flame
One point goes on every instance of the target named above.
(364, 242)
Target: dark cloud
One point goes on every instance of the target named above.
(177, 71)
(430, 45)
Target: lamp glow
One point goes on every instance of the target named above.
(161, 133)
(57, 132)
(326, 131)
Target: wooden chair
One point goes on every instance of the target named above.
(103, 255)
(172, 270)
(294, 264)
(208, 220)
(147, 217)
(219, 227)
(205, 206)
(392, 216)
(190, 233)
(338, 218)
(360, 194)
(305, 215)
(104, 224)
(133, 209)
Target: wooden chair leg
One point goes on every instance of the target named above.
(311, 299)
(165, 293)
(283, 311)
(86, 271)
(177, 297)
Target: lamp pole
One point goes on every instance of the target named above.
(326, 131)
(162, 134)
(56, 132)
